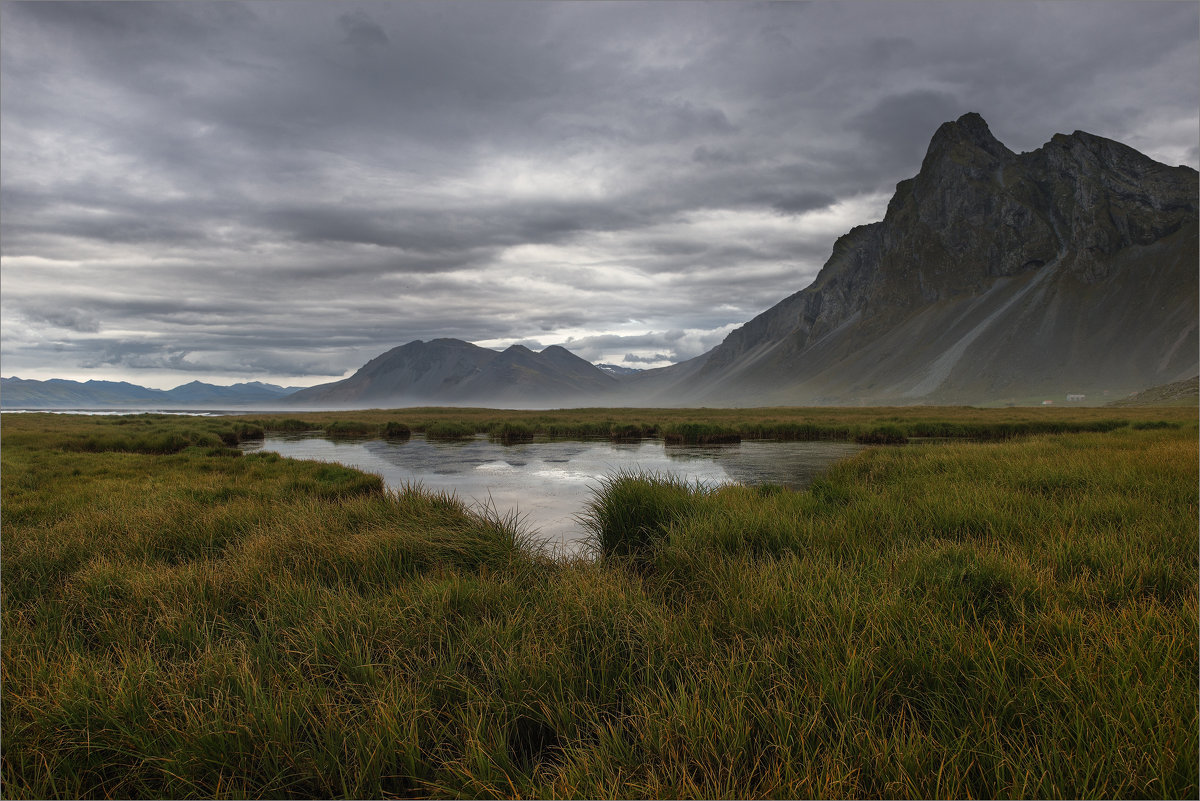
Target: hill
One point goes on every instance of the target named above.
(1177, 393)
(1071, 268)
(58, 393)
(451, 372)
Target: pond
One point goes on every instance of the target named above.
(549, 483)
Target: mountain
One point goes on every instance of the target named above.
(58, 393)
(617, 369)
(1177, 393)
(993, 276)
(450, 371)
(197, 392)
(19, 393)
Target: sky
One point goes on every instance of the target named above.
(280, 191)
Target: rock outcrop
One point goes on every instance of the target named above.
(992, 276)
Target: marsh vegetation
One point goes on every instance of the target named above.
(1013, 617)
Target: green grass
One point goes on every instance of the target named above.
(396, 431)
(789, 424)
(632, 514)
(700, 434)
(350, 429)
(998, 619)
(882, 435)
(509, 433)
(449, 430)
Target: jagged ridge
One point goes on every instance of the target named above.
(992, 275)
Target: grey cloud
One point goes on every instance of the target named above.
(361, 30)
(900, 125)
(656, 358)
(704, 154)
(801, 202)
(64, 317)
(323, 181)
(149, 357)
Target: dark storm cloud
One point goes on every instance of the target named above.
(67, 317)
(289, 188)
(799, 202)
(361, 30)
(899, 125)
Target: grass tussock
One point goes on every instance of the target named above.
(882, 435)
(631, 513)
(394, 430)
(510, 433)
(998, 619)
(449, 430)
(700, 434)
(350, 429)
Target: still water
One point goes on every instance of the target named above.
(549, 483)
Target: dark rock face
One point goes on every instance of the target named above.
(993, 274)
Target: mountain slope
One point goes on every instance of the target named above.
(451, 371)
(993, 275)
(58, 393)
(1177, 393)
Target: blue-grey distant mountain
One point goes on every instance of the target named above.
(451, 371)
(57, 393)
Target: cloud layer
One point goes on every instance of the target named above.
(281, 191)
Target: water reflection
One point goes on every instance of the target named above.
(548, 483)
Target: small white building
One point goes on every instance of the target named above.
(1072, 397)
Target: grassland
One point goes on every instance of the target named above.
(867, 425)
(1013, 617)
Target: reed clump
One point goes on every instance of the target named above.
(700, 434)
(510, 433)
(394, 430)
(286, 425)
(882, 435)
(632, 432)
(350, 429)
(631, 513)
(449, 430)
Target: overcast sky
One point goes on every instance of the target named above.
(280, 191)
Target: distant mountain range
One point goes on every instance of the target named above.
(57, 393)
(994, 276)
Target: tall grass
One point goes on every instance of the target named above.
(1011, 618)
(350, 429)
(449, 430)
(632, 513)
(509, 432)
(396, 431)
(699, 434)
(791, 424)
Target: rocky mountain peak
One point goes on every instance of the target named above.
(966, 139)
(991, 272)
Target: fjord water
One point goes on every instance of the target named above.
(549, 483)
